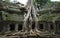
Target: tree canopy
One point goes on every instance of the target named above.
(40, 3)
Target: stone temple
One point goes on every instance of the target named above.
(38, 19)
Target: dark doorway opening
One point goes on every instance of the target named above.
(33, 26)
(12, 27)
(20, 26)
(59, 26)
(1, 28)
(51, 27)
(41, 26)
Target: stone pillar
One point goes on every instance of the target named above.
(44, 26)
(16, 27)
(49, 27)
(8, 27)
(58, 27)
(54, 25)
(4, 28)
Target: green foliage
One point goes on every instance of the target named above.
(40, 3)
(7, 0)
(12, 17)
(49, 17)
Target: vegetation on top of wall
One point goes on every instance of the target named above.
(49, 17)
